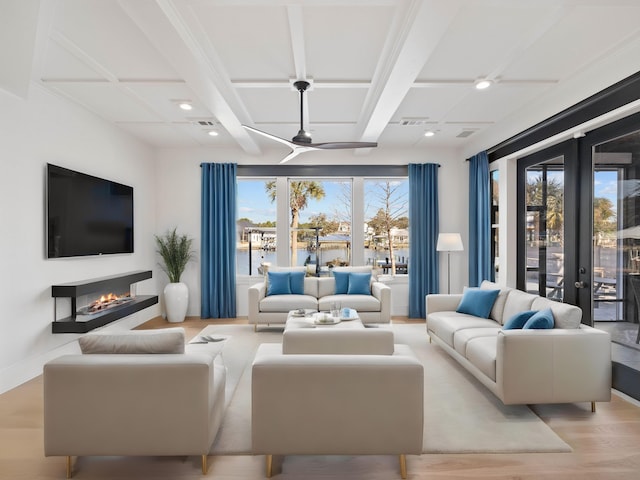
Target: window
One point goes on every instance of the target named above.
(495, 222)
(256, 226)
(387, 224)
(320, 223)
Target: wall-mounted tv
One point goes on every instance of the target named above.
(87, 215)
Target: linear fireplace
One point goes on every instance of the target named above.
(99, 301)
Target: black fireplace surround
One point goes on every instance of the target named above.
(74, 290)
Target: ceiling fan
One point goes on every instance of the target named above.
(302, 141)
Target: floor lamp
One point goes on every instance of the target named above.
(449, 242)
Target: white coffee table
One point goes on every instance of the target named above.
(302, 335)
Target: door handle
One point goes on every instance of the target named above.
(580, 285)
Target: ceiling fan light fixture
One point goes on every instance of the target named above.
(483, 84)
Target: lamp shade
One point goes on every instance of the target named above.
(449, 242)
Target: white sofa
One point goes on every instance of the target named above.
(568, 363)
(319, 293)
(370, 403)
(133, 403)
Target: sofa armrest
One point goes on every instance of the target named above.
(382, 292)
(554, 366)
(438, 302)
(257, 292)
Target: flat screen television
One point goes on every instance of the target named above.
(87, 215)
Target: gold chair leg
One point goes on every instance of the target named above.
(255, 327)
(269, 459)
(403, 466)
(593, 407)
(204, 464)
(69, 470)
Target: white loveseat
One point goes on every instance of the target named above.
(134, 403)
(319, 293)
(568, 363)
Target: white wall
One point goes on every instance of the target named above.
(178, 200)
(35, 131)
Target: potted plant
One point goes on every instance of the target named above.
(176, 252)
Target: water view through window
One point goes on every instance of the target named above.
(320, 222)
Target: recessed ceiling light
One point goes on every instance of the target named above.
(483, 83)
(429, 133)
(185, 106)
(213, 133)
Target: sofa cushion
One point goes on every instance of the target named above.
(518, 320)
(478, 302)
(446, 324)
(166, 340)
(497, 312)
(360, 303)
(541, 320)
(341, 282)
(284, 303)
(564, 315)
(461, 337)
(518, 301)
(359, 284)
(279, 283)
(481, 352)
(326, 286)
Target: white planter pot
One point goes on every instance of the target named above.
(176, 301)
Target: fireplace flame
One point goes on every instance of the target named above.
(107, 301)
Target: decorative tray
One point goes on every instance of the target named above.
(325, 320)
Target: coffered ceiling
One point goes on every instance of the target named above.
(385, 71)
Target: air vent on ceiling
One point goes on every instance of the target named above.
(204, 122)
(465, 133)
(414, 121)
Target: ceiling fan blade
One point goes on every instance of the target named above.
(339, 145)
(270, 136)
(297, 151)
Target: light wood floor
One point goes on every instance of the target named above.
(606, 445)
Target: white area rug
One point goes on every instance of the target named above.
(461, 415)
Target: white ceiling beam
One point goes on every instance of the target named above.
(418, 31)
(344, 84)
(183, 47)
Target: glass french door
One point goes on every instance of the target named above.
(546, 223)
(579, 226)
(610, 172)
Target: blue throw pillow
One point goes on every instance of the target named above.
(541, 320)
(518, 320)
(296, 282)
(278, 283)
(342, 282)
(359, 284)
(478, 302)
